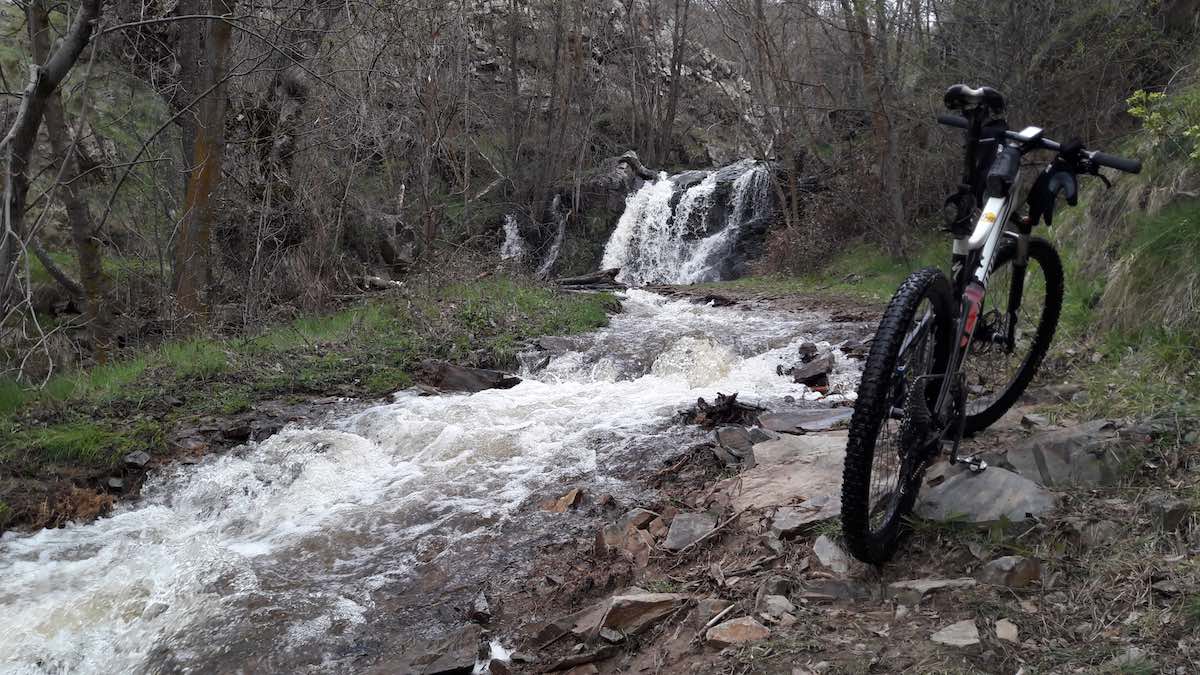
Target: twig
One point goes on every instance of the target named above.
(714, 621)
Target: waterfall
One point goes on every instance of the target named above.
(654, 243)
(513, 247)
(555, 246)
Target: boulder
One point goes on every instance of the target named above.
(776, 606)
(775, 585)
(1167, 512)
(736, 632)
(814, 373)
(137, 459)
(453, 378)
(957, 494)
(455, 655)
(961, 634)
(831, 556)
(734, 445)
(1011, 570)
(688, 528)
(637, 518)
(638, 544)
(631, 614)
(1087, 454)
(808, 351)
(804, 421)
(1052, 393)
(658, 528)
(807, 448)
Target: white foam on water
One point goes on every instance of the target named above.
(513, 247)
(310, 525)
(653, 243)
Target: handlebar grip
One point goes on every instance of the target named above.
(1118, 163)
(952, 121)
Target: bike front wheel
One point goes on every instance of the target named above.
(1003, 359)
(886, 452)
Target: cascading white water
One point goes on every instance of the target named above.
(560, 234)
(285, 555)
(654, 244)
(513, 247)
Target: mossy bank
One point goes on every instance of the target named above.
(66, 446)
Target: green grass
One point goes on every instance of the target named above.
(862, 271)
(196, 359)
(86, 443)
(372, 347)
(12, 396)
(1156, 280)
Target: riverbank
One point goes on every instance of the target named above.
(73, 448)
(1074, 552)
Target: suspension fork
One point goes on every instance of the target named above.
(1016, 290)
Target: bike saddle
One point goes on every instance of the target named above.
(960, 96)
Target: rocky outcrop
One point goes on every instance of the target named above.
(448, 377)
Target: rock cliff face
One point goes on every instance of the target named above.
(622, 52)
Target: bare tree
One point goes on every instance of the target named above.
(18, 143)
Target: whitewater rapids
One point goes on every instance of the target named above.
(283, 555)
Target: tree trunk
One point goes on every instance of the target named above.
(18, 144)
(83, 231)
(192, 247)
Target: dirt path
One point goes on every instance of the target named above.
(1075, 552)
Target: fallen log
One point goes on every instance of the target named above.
(600, 280)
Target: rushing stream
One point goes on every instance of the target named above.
(298, 553)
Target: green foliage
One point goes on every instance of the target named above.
(5, 514)
(12, 396)
(1171, 121)
(233, 400)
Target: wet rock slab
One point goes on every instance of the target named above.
(961, 634)
(1088, 454)
(956, 494)
(799, 476)
(448, 377)
(805, 421)
(687, 529)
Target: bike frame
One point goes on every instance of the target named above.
(972, 262)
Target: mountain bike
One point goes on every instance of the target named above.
(952, 354)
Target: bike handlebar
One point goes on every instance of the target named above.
(1096, 157)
